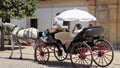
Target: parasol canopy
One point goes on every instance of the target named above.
(75, 14)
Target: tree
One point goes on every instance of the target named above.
(16, 9)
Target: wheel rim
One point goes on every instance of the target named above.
(41, 54)
(103, 53)
(60, 57)
(81, 55)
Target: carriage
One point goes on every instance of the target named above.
(87, 46)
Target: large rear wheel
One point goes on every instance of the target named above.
(102, 53)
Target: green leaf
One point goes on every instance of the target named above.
(0, 12)
(17, 8)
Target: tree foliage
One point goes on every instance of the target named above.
(17, 8)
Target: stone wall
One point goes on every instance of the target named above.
(106, 11)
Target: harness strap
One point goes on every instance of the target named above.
(31, 32)
(13, 28)
(28, 33)
(15, 36)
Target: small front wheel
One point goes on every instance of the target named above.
(41, 54)
(60, 56)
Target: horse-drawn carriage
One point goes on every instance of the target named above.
(86, 47)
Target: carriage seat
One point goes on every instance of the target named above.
(64, 37)
(90, 32)
(93, 31)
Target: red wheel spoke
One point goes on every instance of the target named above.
(106, 57)
(95, 54)
(74, 57)
(46, 52)
(88, 55)
(37, 54)
(107, 51)
(77, 60)
(43, 58)
(46, 56)
(102, 60)
(83, 62)
(99, 60)
(96, 51)
(80, 62)
(86, 61)
(105, 60)
(61, 57)
(39, 58)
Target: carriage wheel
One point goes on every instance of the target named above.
(102, 53)
(41, 54)
(60, 56)
(81, 55)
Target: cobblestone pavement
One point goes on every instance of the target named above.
(28, 60)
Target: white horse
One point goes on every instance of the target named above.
(18, 35)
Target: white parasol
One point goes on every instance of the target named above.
(75, 14)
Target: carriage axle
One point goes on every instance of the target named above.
(100, 53)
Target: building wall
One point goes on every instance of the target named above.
(46, 16)
(112, 23)
(61, 3)
(20, 22)
(106, 11)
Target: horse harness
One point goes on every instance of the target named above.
(26, 32)
(15, 38)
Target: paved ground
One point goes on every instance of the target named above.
(28, 60)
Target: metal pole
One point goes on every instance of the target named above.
(2, 39)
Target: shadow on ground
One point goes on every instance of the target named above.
(59, 64)
(23, 59)
(51, 64)
(15, 48)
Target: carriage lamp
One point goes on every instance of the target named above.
(44, 34)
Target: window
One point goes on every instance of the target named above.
(34, 22)
(6, 19)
